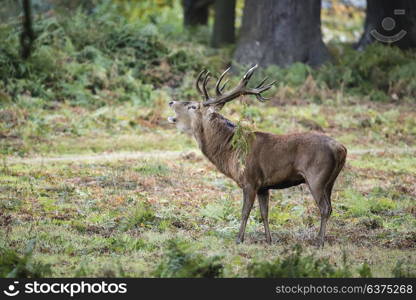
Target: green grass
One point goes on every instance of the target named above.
(14, 265)
(116, 217)
(404, 163)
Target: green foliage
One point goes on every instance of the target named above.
(141, 215)
(296, 265)
(241, 141)
(359, 205)
(380, 205)
(372, 222)
(14, 265)
(180, 262)
(93, 59)
(378, 71)
(294, 75)
(153, 169)
(404, 269)
(146, 10)
(220, 211)
(365, 271)
(120, 244)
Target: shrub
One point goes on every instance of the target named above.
(379, 205)
(377, 71)
(356, 204)
(298, 266)
(373, 222)
(365, 271)
(404, 269)
(14, 265)
(180, 262)
(142, 215)
(80, 58)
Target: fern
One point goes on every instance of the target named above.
(241, 141)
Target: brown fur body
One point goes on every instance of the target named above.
(272, 162)
(275, 161)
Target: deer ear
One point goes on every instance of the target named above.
(211, 109)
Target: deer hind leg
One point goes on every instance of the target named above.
(263, 197)
(325, 208)
(321, 186)
(321, 192)
(249, 195)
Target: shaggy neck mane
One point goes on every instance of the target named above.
(214, 136)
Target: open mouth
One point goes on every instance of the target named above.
(172, 120)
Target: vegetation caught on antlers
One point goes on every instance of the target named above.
(241, 141)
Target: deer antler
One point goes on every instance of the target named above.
(239, 90)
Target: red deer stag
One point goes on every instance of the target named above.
(272, 162)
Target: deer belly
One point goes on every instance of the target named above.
(285, 184)
(285, 181)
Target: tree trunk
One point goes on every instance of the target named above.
(27, 36)
(195, 12)
(281, 32)
(390, 22)
(224, 32)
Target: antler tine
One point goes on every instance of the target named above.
(223, 86)
(249, 73)
(266, 87)
(261, 98)
(261, 83)
(239, 90)
(262, 88)
(204, 85)
(198, 88)
(218, 90)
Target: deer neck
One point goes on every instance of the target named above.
(214, 139)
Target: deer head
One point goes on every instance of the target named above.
(190, 114)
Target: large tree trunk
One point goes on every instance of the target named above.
(27, 36)
(224, 32)
(195, 12)
(390, 22)
(281, 32)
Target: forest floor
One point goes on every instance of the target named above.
(103, 191)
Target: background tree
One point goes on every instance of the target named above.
(281, 32)
(28, 36)
(224, 30)
(196, 12)
(391, 22)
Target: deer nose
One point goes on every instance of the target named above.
(171, 103)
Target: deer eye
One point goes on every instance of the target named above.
(191, 107)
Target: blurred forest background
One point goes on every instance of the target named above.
(95, 182)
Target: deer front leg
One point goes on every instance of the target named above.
(249, 195)
(263, 198)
